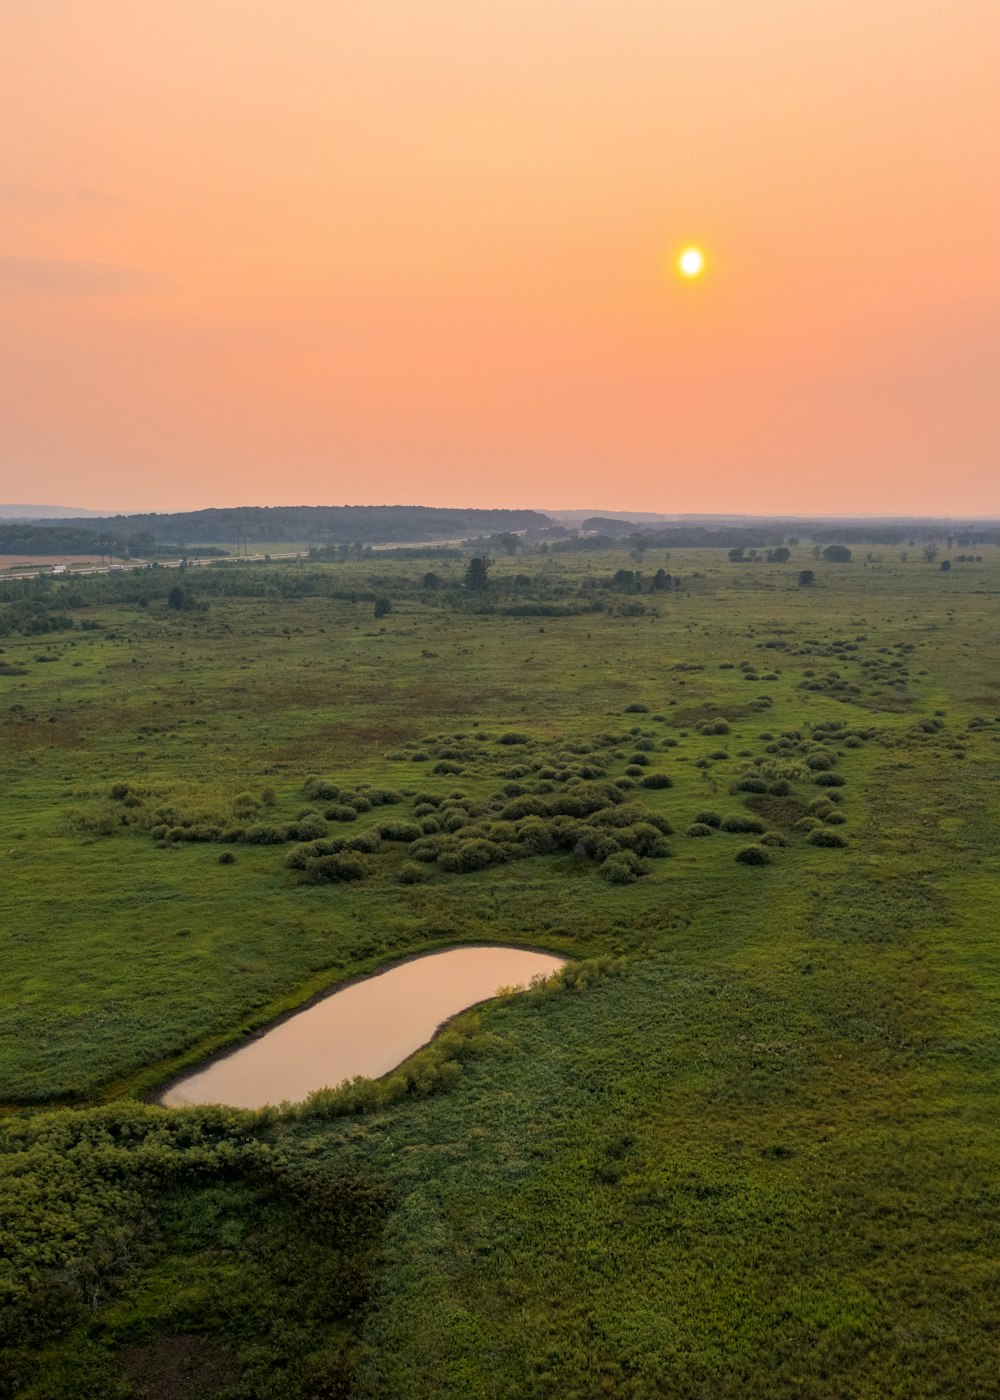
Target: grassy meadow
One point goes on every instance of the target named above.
(746, 1145)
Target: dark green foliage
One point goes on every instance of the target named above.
(310, 828)
(477, 574)
(656, 780)
(708, 818)
(699, 829)
(837, 554)
(340, 812)
(753, 855)
(399, 831)
(829, 780)
(336, 869)
(466, 856)
(823, 836)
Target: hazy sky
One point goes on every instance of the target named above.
(378, 251)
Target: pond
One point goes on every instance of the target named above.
(368, 1027)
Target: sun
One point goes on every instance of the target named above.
(691, 262)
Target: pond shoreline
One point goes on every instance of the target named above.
(233, 1047)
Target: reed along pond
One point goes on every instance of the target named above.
(366, 1028)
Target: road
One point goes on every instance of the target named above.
(45, 570)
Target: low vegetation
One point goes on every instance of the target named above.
(744, 1144)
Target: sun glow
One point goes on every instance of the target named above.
(691, 262)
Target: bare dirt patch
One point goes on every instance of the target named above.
(184, 1367)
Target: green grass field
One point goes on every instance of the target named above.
(749, 1149)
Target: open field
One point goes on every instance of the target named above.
(749, 1148)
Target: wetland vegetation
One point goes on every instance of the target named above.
(744, 1143)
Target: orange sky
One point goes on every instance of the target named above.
(367, 251)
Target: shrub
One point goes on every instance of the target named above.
(227, 858)
(427, 849)
(707, 819)
(656, 780)
(823, 836)
(699, 829)
(399, 831)
(514, 738)
(310, 828)
(835, 818)
(410, 873)
(384, 797)
(341, 813)
(820, 761)
(642, 838)
(335, 869)
(320, 789)
(467, 856)
(535, 836)
(773, 838)
(636, 708)
(619, 869)
(829, 780)
(753, 855)
(743, 822)
(264, 834)
(749, 784)
(445, 767)
(367, 841)
(713, 726)
(807, 824)
(630, 813)
(640, 759)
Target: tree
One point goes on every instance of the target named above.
(778, 556)
(477, 573)
(945, 565)
(930, 552)
(431, 581)
(806, 577)
(383, 606)
(837, 554)
(177, 598)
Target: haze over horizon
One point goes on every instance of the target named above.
(424, 254)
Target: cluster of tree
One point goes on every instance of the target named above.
(779, 555)
(323, 525)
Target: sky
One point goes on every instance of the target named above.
(423, 251)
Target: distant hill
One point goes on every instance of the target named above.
(313, 525)
(46, 513)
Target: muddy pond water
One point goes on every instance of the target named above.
(366, 1028)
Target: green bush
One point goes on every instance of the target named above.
(335, 869)
(365, 841)
(656, 780)
(341, 813)
(619, 870)
(309, 829)
(829, 780)
(753, 855)
(699, 829)
(399, 831)
(264, 834)
(410, 873)
(467, 856)
(707, 819)
(823, 836)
